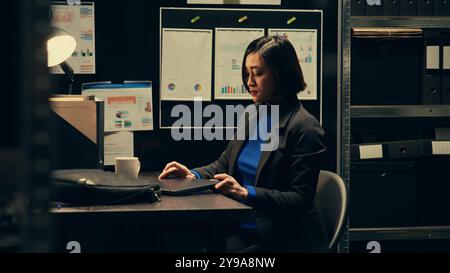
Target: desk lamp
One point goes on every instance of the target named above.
(60, 46)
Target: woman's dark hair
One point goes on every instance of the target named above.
(280, 56)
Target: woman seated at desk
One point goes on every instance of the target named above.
(279, 185)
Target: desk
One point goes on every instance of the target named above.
(193, 223)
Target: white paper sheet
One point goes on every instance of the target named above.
(78, 21)
(117, 144)
(432, 57)
(128, 106)
(305, 44)
(186, 64)
(229, 52)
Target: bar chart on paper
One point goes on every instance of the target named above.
(78, 21)
(230, 47)
(236, 90)
(63, 16)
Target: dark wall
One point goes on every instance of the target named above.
(9, 109)
(127, 46)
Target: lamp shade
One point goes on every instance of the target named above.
(60, 46)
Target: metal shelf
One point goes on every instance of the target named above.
(394, 111)
(390, 111)
(400, 233)
(344, 44)
(400, 21)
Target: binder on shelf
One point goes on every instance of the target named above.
(402, 149)
(358, 7)
(432, 147)
(442, 133)
(445, 89)
(396, 60)
(425, 7)
(445, 72)
(432, 188)
(431, 86)
(391, 7)
(408, 7)
(385, 150)
(445, 52)
(374, 7)
(383, 194)
(432, 51)
(441, 7)
(440, 147)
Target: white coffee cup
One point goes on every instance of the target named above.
(128, 166)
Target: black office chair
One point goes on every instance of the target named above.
(332, 197)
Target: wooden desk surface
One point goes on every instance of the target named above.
(204, 202)
(208, 206)
(175, 219)
(199, 202)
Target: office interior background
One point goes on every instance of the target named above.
(384, 101)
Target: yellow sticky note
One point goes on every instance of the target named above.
(195, 19)
(291, 20)
(242, 19)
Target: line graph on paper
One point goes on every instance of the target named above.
(305, 44)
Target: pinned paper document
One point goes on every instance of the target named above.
(128, 106)
(186, 59)
(77, 19)
(118, 144)
(306, 46)
(230, 48)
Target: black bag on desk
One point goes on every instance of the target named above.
(97, 187)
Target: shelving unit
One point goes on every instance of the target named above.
(399, 21)
(367, 113)
(344, 107)
(403, 111)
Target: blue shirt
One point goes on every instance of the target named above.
(247, 165)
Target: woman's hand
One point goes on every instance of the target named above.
(176, 170)
(229, 186)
